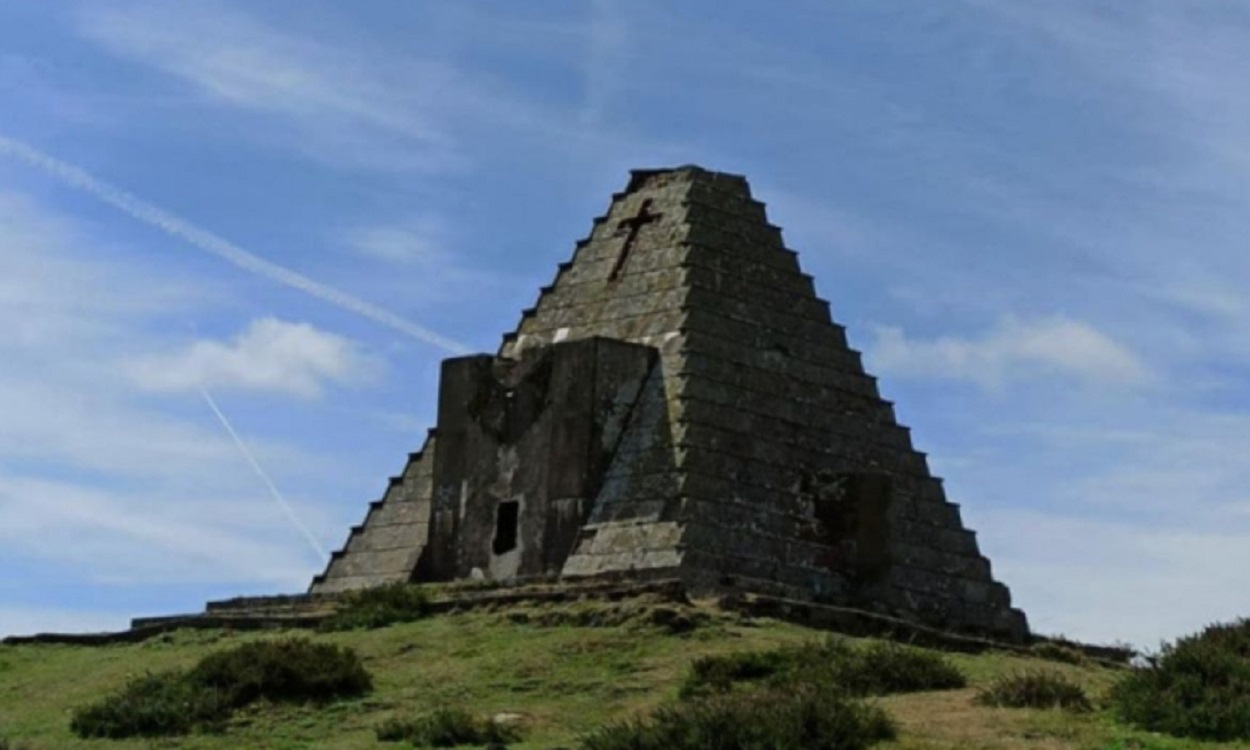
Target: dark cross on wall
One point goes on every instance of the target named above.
(632, 224)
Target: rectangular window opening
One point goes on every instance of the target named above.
(507, 516)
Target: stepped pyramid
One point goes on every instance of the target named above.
(679, 403)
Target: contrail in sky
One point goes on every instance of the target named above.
(174, 226)
(273, 490)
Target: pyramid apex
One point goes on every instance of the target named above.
(640, 177)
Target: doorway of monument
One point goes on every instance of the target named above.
(852, 510)
(507, 524)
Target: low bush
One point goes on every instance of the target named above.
(879, 669)
(449, 727)
(805, 717)
(204, 697)
(1198, 687)
(290, 670)
(1035, 689)
(718, 674)
(378, 607)
(886, 668)
(152, 705)
(1054, 651)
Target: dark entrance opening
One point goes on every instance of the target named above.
(507, 515)
(870, 496)
(853, 510)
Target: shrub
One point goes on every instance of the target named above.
(1052, 651)
(395, 730)
(202, 698)
(886, 668)
(152, 705)
(1198, 687)
(717, 674)
(378, 607)
(807, 717)
(1035, 689)
(448, 727)
(879, 669)
(292, 670)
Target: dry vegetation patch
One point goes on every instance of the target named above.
(1035, 688)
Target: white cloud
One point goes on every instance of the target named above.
(148, 213)
(101, 485)
(234, 59)
(67, 315)
(344, 103)
(31, 620)
(270, 355)
(1118, 516)
(1172, 78)
(418, 242)
(129, 536)
(48, 298)
(1014, 349)
(1170, 462)
(69, 422)
(351, 104)
(1103, 580)
(425, 268)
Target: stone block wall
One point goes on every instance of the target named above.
(762, 395)
(385, 547)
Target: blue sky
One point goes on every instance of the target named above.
(1031, 217)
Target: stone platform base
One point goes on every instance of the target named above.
(309, 610)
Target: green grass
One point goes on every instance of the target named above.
(447, 727)
(565, 679)
(378, 607)
(176, 701)
(1052, 651)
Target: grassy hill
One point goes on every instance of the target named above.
(564, 669)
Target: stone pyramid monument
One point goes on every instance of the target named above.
(679, 403)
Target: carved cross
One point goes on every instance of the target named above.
(631, 225)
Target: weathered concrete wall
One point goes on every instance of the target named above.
(524, 447)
